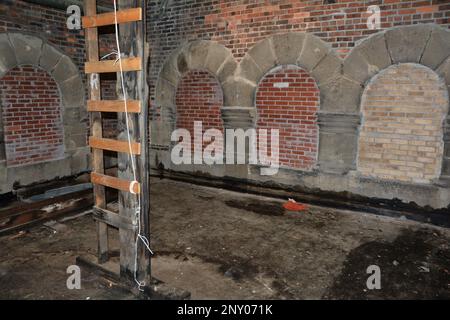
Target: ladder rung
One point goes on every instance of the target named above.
(105, 66)
(133, 106)
(113, 218)
(105, 19)
(115, 145)
(113, 182)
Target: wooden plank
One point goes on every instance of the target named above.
(105, 19)
(105, 66)
(115, 145)
(92, 50)
(133, 40)
(144, 256)
(113, 182)
(36, 215)
(133, 106)
(25, 207)
(114, 219)
(109, 271)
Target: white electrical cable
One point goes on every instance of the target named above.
(139, 236)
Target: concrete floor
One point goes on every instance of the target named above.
(219, 244)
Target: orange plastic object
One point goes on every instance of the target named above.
(292, 205)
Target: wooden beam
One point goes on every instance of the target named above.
(105, 66)
(133, 106)
(115, 145)
(92, 51)
(133, 43)
(105, 19)
(29, 215)
(115, 183)
(114, 219)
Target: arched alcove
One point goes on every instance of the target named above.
(401, 137)
(198, 98)
(18, 49)
(424, 44)
(287, 100)
(31, 116)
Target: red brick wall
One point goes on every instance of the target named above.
(293, 111)
(31, 113)
(238, 24)
(199, 98)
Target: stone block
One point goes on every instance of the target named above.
(228, 70)
(7, 55)
(263, 55)
(249, 70)
(437, 49)
(337, 153)
(287, 47)
(72, 92)
(367, 59)
(238, 92)
(49, 58)
(170, 72)
(327, 69)
(196, 53)
(217, 55)
(314, 50)
(340, 95)
(444, 71)
(64, 70)
(165, 93)
(407, 43)
(28, 49)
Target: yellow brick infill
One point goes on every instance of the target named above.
(401, 137)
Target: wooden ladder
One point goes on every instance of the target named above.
(124, 218)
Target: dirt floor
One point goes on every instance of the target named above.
(223, 245)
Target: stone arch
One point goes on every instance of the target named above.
(22, 49)
(199, 97)
(402, 138)
(304, 50)
(316, 57)
(426, 44)
(17, 49)
(196, 55)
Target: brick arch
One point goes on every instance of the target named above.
(19, 49)
(288, 99)
(401, 137)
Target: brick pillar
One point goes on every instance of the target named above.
(338, 140)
